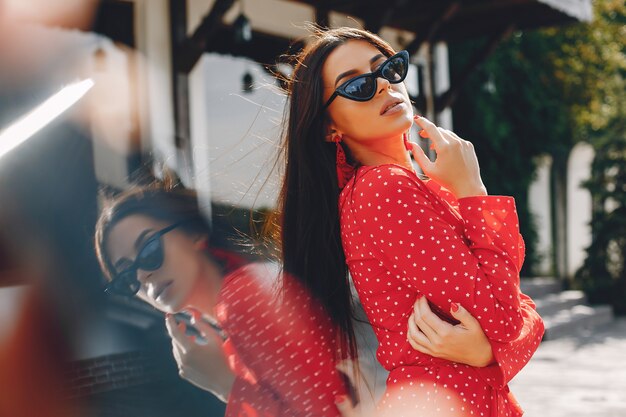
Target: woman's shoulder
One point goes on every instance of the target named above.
(263, 292)
(247, 290)
(255, 276)
(380, 180)
(384, 171)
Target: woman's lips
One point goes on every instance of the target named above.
(393, 108)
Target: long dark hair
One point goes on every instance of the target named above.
(308, 202)
(158, 201)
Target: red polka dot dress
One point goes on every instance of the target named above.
(280, 345)
(402, 237)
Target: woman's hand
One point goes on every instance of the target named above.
(345, 407)
(204, 365)
(464, 343)
(344, 403)
(456, 166)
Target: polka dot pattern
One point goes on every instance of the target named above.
(403, 237)
(281, 346)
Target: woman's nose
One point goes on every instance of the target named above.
(383, 84)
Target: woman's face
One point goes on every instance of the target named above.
(170, 287)
(363, 121)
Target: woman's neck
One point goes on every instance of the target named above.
(207, 288)
(380, 152)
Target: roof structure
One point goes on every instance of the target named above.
(422, 21)
(425, 22)
(451, 20)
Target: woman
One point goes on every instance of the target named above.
(154, 242)
(351, 199)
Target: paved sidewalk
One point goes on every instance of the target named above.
(577, 376)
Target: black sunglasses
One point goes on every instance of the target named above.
(363, 87)
(149, 258)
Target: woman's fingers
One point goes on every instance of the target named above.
(440, 327)
(346, 403)
(467, 320)
(456, 166)
(345, 407)
(432, 132)
(177, 333)
(425, 328)
(172, 327)
(178, 355)
(205, 329)
(415, 336)
(420, 157)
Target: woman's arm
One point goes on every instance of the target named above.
(285, 339)
(459, 168)
(511, 357)
(463, 343)
(466, 342)
(473, 261)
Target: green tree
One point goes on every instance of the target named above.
(540, 93)
(591, 69)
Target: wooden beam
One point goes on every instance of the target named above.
(180, 85)
(322, 16)
(428, 33)
(181, 65)
(448, 98)
(185, 53)
(190, 49)
(377, 20)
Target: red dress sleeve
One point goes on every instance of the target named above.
(470, 256)
(251, 400)
(284, 340)
(509, 357)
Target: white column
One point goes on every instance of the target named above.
(152, 33)
(579, 206)
(199, 131)
(442, 81)
(235, 134)
(110, 112)
(540, 206)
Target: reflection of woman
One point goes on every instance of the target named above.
(154, 243)
(349, 183)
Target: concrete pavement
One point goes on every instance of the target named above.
(582, 375)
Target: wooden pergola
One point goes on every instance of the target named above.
(430, 21)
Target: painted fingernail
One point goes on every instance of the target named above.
(455, 307)
(340, 398)
(423, 133)
(417, 116)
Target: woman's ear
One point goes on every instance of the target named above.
(332, 133)
(333, 136)
(201, 243)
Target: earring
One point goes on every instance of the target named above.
(344, 169)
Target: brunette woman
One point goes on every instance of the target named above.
(351, 199)
(279, 355)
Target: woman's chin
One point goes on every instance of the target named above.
(400, 122)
